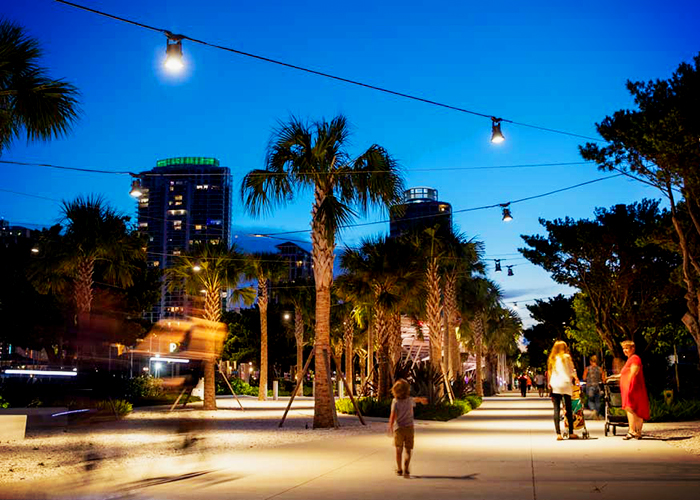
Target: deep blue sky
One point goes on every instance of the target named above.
(553, 64)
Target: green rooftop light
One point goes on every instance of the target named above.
(187, 160)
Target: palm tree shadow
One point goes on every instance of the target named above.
(467, 477)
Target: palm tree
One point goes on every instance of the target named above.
(210, 269)
(501, 337)
(29, 99)
(266, 267)
(314, 156)
(476, 298)
(300, 295)
(382, 269)
(95, 235)
(461, 259)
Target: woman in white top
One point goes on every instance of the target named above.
(561, 371)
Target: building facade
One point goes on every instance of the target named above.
(420, 209)
(299, 260)
(185, 201)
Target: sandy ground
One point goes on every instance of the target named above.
(153, 433)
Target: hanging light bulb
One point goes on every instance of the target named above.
(173, 52)
(498, 265)
(510, 270)
(496, 134)
(507, 216)
(196, 268)
(136, 190)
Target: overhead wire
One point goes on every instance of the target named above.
(328, 75)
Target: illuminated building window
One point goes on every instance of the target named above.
(155, 263)
(178, 203)
(178, 197)
(198, 227)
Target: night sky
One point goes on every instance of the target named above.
(557, 65)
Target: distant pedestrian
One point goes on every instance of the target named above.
(540, 383)
(522, 384)
(561, 373)
(594, 377)
(635, 400)
(401, 425)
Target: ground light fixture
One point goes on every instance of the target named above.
(507, 216)
(173, 53)
(196, 267)
(35, 250)
(496, 134)
(47, 373)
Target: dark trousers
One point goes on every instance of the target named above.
(556, 399)
(523, 389)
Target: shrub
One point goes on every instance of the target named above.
(3, 403)
(240, 387)
(371, 407)
(677, 410)
(119, 407)
(473, 400)
(144, 387)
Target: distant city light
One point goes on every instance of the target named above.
(169, 360)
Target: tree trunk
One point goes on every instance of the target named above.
(322, 255)
(382, 332)
(434, 314)
(348, 333)
(262, 304)
(212, 312)
(478, 327)
(299, 337)
(209, 385)
(370, 349)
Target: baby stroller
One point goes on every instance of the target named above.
(614, 414)
(577, 413)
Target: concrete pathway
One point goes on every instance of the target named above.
(504, 450)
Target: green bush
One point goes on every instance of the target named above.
(3, 403)
(117, 407)
(144, 387)
(473, 400)
(677, 410)
(371, 407)
(240, 387)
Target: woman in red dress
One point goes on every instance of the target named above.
(635, 400)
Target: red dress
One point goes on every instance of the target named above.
(633, 389)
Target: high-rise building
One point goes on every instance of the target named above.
(420, 209)
(185, 201)
(299, 261)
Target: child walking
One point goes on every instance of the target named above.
(401, 424)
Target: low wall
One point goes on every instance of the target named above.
(37, 418)
(12, 427)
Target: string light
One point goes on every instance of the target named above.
(498, 265)
(136, 190)
(496, 134)
(510, 270)
(173, 53)
(178, 42)
(507, 216)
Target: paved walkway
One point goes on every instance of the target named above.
(504, 450)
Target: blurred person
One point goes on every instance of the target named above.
(635, 400)
(540, 383)
(594, 377)
(561, 373)
(401, 425)
(522, 384)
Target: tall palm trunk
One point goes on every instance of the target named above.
(478, 328)
(454, 364)
(370, 348)
(322, 256)
(299, 337)
(262, 304)
(382, 333)
(434, 313)
(348, 333)
(212, 312)
(395, 346)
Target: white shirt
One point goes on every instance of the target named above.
(562, 373)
